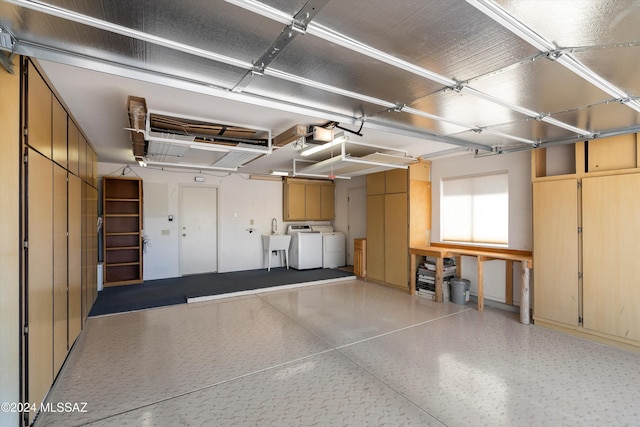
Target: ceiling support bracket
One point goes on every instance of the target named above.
(7, 44)
(296, 27)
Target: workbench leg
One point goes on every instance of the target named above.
(524, 299)
(480, 284)
(439, 276)
(413, 272)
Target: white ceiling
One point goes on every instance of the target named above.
(98, 101)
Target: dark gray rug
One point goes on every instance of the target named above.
(158, 293)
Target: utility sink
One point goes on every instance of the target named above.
(276, 242)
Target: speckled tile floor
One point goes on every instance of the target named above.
(349, 353)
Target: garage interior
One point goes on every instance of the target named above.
(257, 101)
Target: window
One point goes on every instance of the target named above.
(475, 209)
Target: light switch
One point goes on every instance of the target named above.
(235, 214)
(250, 222)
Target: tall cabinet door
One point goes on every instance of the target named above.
(375, 237)
(40, 276)
(396, 258)
(555, 253)
(611, 226)
(60, 270)
(75, 261)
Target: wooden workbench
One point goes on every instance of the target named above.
(441, 251)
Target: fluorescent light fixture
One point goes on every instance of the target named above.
(437, 118)
(502, 17)
(317, 148)
(206, 147)
(279, 173)
(356, 46)
(632, 103)
(60, 12)
(185, 166)
(313, 175)
(263, 10)
(512, 137)
(589, 75)
(327, 88)
(513, 107)
(342, 40)
(564, 125)
(446, 153)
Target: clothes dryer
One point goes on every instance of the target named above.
(333, 246)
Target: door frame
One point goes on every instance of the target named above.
(180, 189)
(350, 236)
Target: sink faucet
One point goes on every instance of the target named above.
(274, 226)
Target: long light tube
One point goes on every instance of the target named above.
(503, 18)
(327, 88)
(185, 166)
(495, 12)
(566, 126)
(317, 148)
(60, 12)
(342, 40)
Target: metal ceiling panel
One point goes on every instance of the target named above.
(320, 100)
(450, 38)
(572, 23)
(543, 85)
(619, 65)
(489, 139)
(315, 59)
(429, 125)
(182, 65)
(466, 109)
(533, 129)
(290, 7)
(602, 117)
(71, 37)
(46, 30)
(215, 26)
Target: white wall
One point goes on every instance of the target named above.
(518, 166)
(359, 213)
(238, 249)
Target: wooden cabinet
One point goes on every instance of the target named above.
(611, 229)
(586, 228)
(59, 133)
(38, 113)
(122, 214)
(59, 282)
(40, 268)
(556, 251)
(308, 200)
(360, 257)
(398, 215)
(375, 237)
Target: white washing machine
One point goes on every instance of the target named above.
(305, 249)
(333, 246)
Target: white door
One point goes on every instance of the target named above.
(357, 211)
(198, 229)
